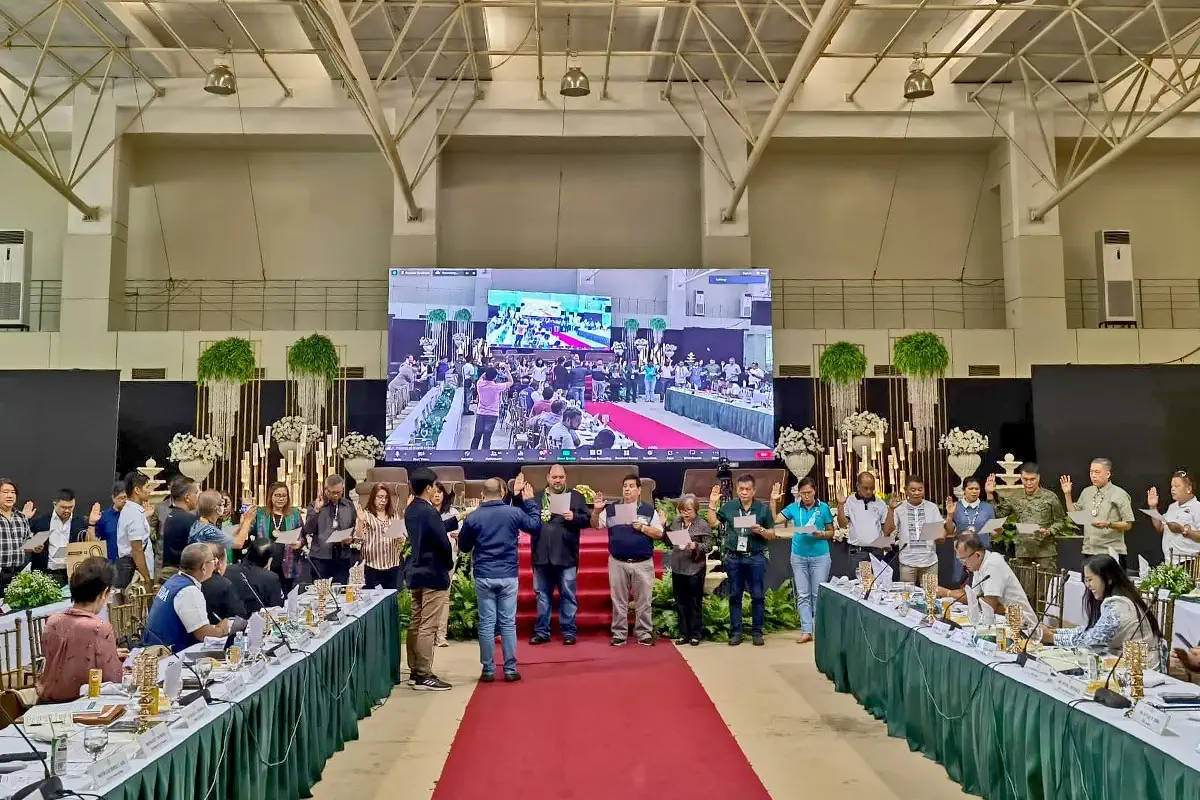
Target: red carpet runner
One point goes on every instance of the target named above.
(594, 722)
(645, 431)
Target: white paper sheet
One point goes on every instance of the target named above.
(624, 513)
(395, 530)
(932, 530)
(288, 537)
(745, 521)
(881, 543)
(1143, 566)
(36, 541)
(560, 503)
(680, 539)
(992, 525)
(1027, 527)
(1081, 517)
(340, 536)
(1152, 513)
(877, 566)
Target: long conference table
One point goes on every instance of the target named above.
(272, 742)
(1001, 731)
(732, 416)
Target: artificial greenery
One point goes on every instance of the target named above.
(780, 611)
(314, 355)
(632, 325)
(1174, 578)
(657, 324)
(922, 355)
(404, 608)
(230, 360)
(438, 315)
(31, 590)
(463, 621)
(431, 427)
(842, 363)
(462, 315)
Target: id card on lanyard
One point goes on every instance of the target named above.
(742, 525)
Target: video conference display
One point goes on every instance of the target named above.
(585, 365)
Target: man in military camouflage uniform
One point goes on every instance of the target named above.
(1036, 506)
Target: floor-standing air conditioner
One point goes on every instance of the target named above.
(747, 305)
(16, 272)
(698, 303)
(1115, 285)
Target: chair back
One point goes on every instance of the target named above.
(1161, 604)
(37, 658)
(12, 672)
(126, 628)
(1189, 561)
(1045, 589)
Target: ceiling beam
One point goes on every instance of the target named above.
(139, 31)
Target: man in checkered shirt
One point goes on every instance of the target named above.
(14, 531)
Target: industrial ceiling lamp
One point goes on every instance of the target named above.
(574, 81)
(220, 79)
(918, 84)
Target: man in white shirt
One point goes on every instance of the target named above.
(991, 582)
(64, 528)
(1180, 526)
(864, 514)
(133, 533)
(179, 616)
(754, 375)
(907, 520)
(732, 371)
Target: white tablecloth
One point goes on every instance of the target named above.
(9, 622)
(1179, 741)
(77, 780)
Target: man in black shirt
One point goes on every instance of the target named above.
(254, 582)
(555, 550)
(220, 596)
(180, 518)
(428, 578)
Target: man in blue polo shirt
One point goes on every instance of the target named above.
(748, 525)
(630, 558)
(106, 528)
(179, 616)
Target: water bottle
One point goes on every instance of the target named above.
(58, 755)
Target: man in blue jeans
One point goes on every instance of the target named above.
(748, 525)
(491, 532)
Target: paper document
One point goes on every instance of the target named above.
(881, 543)
(1027, 527)
(395, 530)
(932, 530)
(1152, 513)
(340, 536)
(36, 541)
(624, 513)
(745, 521)
(288, 537)
(992, 525)
(1143, 566)
(809, 529)
(883, 582)
(560, 503)
(679, 538)
(1081, 517)
(877, 566)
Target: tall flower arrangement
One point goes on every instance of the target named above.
(922, 358)
(842, 367)
(462, 330)
(314, 364)
(222, 369)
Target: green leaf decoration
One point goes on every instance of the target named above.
(31, 590)
(314, 355)
(921, 355)
(437, 315)
(843, 363)
(658, 324)
(632, 325)
(230, 359)
(462, 315)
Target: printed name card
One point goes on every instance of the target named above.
(942, 628)
(988, 647)
(155, 741)
(235, 686)
(1155, 719)
(195, 711)
(1039, 669)
(257, 671)
(962, 637)
(1068, 686)
(113, 769)
(323, 630)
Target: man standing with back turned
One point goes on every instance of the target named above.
(555, 550)
(491, 531)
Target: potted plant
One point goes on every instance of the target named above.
(658, 326)
(359, 453)
(195, 455)
(841, 368)
(962, 453)
(221, 370)
(314, 363)
(863, 428)
(922, 358)
(798, 449)
(31, 590)
(291, 432)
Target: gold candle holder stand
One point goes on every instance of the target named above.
(145, 670)
(1013, 617)
(1135, 655)
(866, 575)
(929, 584)
(322, 589)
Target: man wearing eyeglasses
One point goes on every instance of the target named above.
(178, 617)
(1109, 506)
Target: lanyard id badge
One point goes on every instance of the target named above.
(743, 543)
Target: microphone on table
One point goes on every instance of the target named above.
(47, 788)
(1023, 656)
(270, 617)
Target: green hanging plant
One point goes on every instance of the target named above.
(222, 369)
(462, 315)
(314, 364)
(437, 316)
(658, 324)
(632, 325)
(842, 367)
(922, 358)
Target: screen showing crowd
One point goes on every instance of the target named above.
(579, 364)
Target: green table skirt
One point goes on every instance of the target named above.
(260, 752)
(757, 426)
(995, 736)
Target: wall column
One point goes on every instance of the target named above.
(93, 270)
(726, 245)
(1034, 278)
(414, 244)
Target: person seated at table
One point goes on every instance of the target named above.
(253, 579)
(178, 616)
(1115, 611)
(77, 640)
(990, 579)
(565, 433)
(220, 595)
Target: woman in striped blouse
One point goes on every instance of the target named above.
(380, 555)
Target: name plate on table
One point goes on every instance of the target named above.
(155, 741)
(323, 630)
(989, 648)
(1039, 669)
(942, 628)
(113, 769)
(1068, 686)
(191, 714)
(963, 637)
(235, 686)
(256, 672)
(1150, 717)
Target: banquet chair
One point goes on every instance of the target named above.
(1162, 605)
(1189, 562)
(1044, 588)
(37, 658)
(126, 628)
(12, 674)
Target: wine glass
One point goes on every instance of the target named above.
(204, 668)
(234, 657)
(95, 739)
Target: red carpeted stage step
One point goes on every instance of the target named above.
(595, 607)
(643, 430)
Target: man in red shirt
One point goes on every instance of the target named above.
(77, 640)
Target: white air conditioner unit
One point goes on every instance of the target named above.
(747, 304)
(698, 303)
(1115, 285)
(16, 272)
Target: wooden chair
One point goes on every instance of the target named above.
(37, 658)
(13, 674)
(126, 628)
(1162, 605)
(1045, 590)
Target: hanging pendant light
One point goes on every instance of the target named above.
(575, 83)
(220, 79)
(918, 84)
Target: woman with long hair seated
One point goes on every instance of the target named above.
(1116, 613)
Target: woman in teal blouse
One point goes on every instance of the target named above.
(810, 557)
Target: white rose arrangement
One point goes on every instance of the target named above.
(295, 429)
(186, 447)
(960, 443)
(792, 441)
(863, 423)
(356, 445)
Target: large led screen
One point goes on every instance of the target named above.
(586, 365)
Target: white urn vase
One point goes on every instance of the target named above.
(800, 464)
(287, 447)
(964, 466)
(196, 468)
(859, 442)
(358, 467)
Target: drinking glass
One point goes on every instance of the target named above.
(95, 739)
(204, 668)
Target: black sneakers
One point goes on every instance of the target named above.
(430, 683)
(757, 639)
(539, 639)
(487, 677)
(512, 677)
(617, 642)
(647, 642)
(735, 640)
(568, 640)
